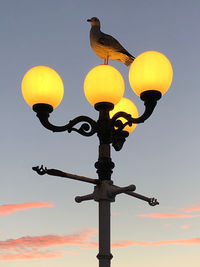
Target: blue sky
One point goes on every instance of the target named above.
(161, 157)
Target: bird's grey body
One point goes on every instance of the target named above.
(107, 47)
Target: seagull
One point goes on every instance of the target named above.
(107, 47)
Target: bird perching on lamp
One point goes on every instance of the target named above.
(107, 47)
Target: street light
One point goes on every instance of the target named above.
(150, 76)
(42, 84)
(126, 105)
(104, 83)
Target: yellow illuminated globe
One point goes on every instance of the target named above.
(104, 83)
(126, 105)
(42, 84)
(151, 70)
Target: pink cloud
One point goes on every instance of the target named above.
(167, 215)
(10, 208)
(29, 248)
(30, 255)
(192, 241)
(191, 208)
(32, 247)
(185, 226)
(45, 241)
(115, 213)
(128, 243)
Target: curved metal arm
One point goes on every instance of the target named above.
(87, 128)
(118, 124)
(150, 99)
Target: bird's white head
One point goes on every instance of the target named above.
(94, 21)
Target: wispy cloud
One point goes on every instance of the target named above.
(34, 247)
(184, 226)
(184, 210)
(49, 240)
(128, 243)
(48, 246)
(192, 241)
(191, 208)
(10, 208)
(167, 215)
(31, 255)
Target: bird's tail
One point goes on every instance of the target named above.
(128, 60)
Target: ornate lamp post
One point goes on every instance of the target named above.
(150, 77)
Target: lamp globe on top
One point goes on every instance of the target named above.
(151, 70)
(42, 85)
(104, 83)
(126, 105)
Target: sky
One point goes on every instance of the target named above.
(40, 223)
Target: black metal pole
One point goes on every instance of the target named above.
(104, 167)
(104, 255)
(104, 170)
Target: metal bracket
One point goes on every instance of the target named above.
(105, 191)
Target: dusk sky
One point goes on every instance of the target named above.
(40, 223)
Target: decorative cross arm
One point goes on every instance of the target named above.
(43, 170)
(104, 189)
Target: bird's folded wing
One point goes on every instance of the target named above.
(112, 43)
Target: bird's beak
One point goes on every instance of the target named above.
(88, 20)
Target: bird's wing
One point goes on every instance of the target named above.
(111, 42)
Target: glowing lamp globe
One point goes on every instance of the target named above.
(151, 70)
(126, 105)
(42, 85)
(103, 83)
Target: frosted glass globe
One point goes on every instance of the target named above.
(126, 105)
(104, 83)
(150, 70)
(42, 85)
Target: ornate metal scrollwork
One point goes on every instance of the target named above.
(118, 124)
(150, 99)
(88, 127)
(40, 170)
(109, 130)
(119, 136)
(153, 202)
